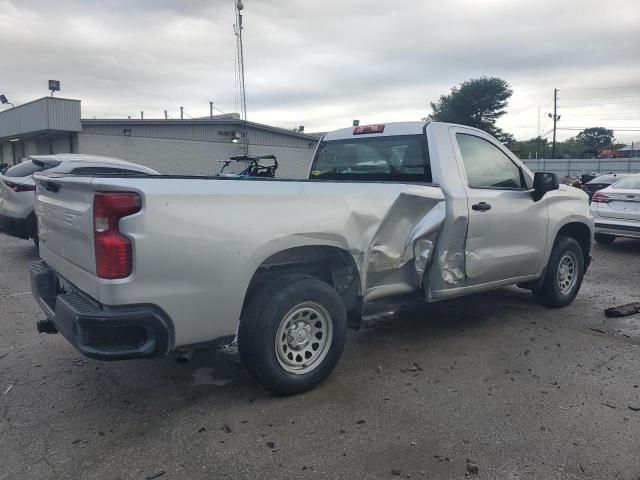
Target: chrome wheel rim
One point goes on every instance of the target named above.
(304, 337)
(567, 274)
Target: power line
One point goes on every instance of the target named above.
(597, 88)
(609, 96)
(600, 104)
(617, 129)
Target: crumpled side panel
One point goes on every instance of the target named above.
(403, 245)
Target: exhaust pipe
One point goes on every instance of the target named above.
(46, 326)
(184, 356)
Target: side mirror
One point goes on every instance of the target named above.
(544, 182)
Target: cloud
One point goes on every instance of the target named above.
(321, 64)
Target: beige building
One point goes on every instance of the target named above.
(189, 147)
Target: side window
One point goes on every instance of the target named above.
(103, 171)
(486, 165)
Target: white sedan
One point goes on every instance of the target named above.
(17, 188)
(616, 210)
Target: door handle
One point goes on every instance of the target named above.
(481, 207)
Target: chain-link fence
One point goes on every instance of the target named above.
(579, 166)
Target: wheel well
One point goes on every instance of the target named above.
(330, 264)
(582, 234)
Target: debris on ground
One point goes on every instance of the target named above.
(635, 408)
(271, 445)
(608, 405)
(396, 472)
(360, 422)
(226, 428)
(9, 388)
(155, 475)
(203, 429)
(472, 468)
(599, 330)
(441, 458)
(623, 310)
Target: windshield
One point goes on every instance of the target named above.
(26, 169)
(606, 179)
(629, 183)
(391, 158)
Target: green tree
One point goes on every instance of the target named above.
(596, 137)
(537, 147)
(478, 102)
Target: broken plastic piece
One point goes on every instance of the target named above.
(623, 310)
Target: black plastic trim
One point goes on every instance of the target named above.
(99, 331)
(15, 227)
(612, 226)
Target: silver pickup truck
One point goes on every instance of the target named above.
(139, 267)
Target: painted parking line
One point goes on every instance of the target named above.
(19, 294)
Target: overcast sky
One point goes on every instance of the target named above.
(323, 63)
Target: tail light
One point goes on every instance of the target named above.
(368, 129)
(19, 187)
(113, 250)
(599, 197)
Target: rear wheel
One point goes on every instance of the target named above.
(292, 333)
(604, 239)
(564, 274)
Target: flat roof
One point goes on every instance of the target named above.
(46, 114)
(229, 119)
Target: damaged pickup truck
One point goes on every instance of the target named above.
(142, 266)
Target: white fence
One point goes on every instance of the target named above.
(578, 166)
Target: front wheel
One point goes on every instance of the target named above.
(564, 274)
(292, 333)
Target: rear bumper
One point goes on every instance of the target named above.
(16, 227)
(619, 229)
(96, 330)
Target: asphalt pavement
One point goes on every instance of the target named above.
(491, 386)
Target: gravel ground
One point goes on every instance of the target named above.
(492, 382)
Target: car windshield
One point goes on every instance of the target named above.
(608, 179)
(629, 183)
(391, 158)
(26, 169)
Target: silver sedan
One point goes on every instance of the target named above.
(616, 210)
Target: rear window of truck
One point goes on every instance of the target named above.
(401, 158)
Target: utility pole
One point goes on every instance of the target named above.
(555, 117)
(166, 115)
(181, 113)
(238, 27)
(210, 109)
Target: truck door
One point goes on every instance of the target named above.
(507, 231)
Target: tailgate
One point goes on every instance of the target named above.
(64, 206)
(623, 205)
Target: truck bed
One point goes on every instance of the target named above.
(197, 241)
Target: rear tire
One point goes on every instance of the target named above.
(604, 239)
(292, 333)
(563, 275)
